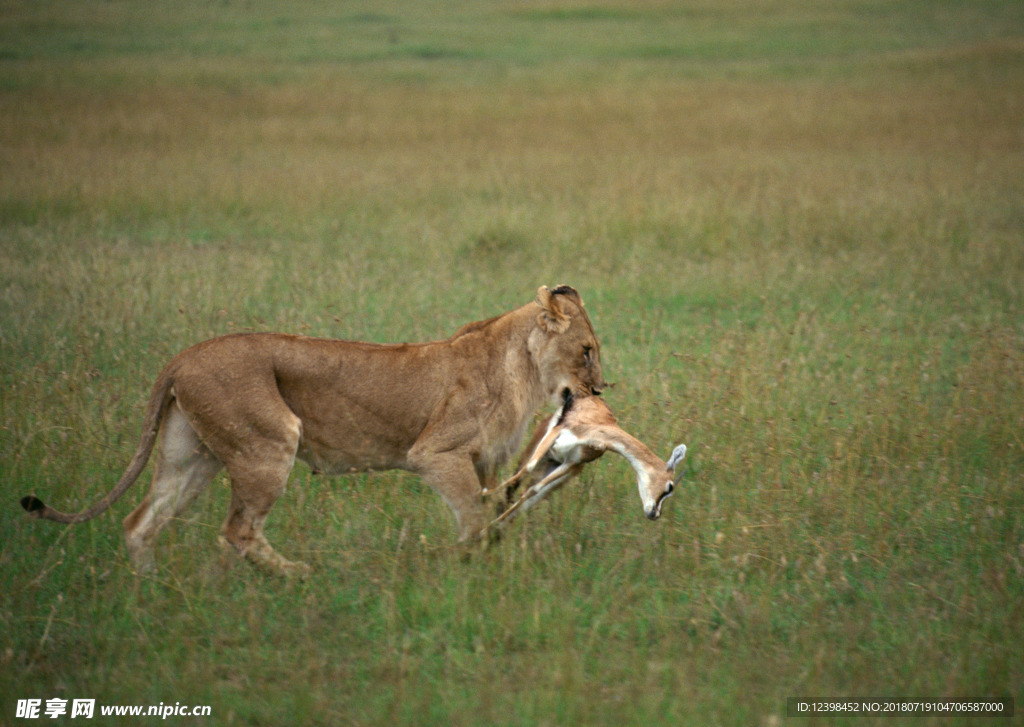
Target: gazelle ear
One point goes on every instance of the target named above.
(677, 456)
(553, 317)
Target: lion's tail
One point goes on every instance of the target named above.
(159, 400)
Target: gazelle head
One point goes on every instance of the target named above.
(656, 484)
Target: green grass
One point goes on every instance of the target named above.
(798, 229)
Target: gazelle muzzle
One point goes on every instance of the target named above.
(655, 512)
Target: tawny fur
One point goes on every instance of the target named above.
(452, 411)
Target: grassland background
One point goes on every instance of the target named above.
(798, 227)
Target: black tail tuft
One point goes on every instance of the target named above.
(32, 504)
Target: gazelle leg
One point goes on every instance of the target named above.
(511, 482)
(546, 486)
(551, 481)
(539, 452)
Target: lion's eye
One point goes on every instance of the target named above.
(586, 353)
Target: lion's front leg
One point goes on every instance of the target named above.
(455, 479)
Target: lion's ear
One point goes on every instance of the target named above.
(553, 317)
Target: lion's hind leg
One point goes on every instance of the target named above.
(258, 479)
(242, 531)
(183, 467)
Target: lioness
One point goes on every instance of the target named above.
(451, 411)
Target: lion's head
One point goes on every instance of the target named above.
(564, 344)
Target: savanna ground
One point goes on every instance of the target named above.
(798, 227)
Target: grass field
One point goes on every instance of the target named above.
(799, 230)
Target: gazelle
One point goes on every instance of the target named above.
(578, 433)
